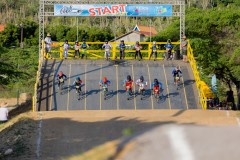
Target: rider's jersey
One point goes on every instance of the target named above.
(128, 83)
(66, 46)
(84, 45)
(168, 46)
(48, 40)
(156, 87)
(154, 47)
(176, 72)
(122, 46)
(107, 46)
(61, 78)
(141, 84)
(137, 47)
(77, 83)
(77, 47)
(101, 83)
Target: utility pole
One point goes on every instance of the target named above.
(21, 44)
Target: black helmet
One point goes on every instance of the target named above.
(78, 78)
(84, 40)
(137, 42)
(141, 78)
(156, 82)
(122, 40)
(129, 78)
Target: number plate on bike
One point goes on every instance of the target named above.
(107, 49)
(77, 87)
(61, 80)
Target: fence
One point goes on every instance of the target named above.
(204, 91)
(95, 50)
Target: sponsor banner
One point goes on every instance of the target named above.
(130, 10)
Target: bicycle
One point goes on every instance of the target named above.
(79, 92)
(156, 94)
(105, 91)
(128, 93)
(177, 81)
(141, 92)
(61, 82)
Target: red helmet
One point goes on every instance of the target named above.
(60, 73)
(105, 80)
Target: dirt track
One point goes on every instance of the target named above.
(75, 135)
(108, 135)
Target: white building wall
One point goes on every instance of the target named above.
(132, 37)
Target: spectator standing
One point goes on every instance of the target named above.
(184, 45)
(76, 48)
(48, 43)
(138, 48)
(66, 46)
(84, 46)
(122, 47)
(3, 112)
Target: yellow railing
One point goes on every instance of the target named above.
(95, 50)
(204, 91)
(38, 74)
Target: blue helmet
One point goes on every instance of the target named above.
(78, 79)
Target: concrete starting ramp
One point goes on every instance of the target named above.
(90, 71)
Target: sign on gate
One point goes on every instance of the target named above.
(130, 10)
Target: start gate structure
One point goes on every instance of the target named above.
(178, 11)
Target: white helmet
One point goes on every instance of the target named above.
(154, 42)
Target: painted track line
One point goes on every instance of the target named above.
(169, 102)
(39, 137)
(100, 102)
(53, 80)
(117, 87)
(69, 87)
(85, 86)
(150, 84)
(184, 90)
(180, 146)
(135, 103)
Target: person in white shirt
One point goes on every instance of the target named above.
(107, 47)
(66, 46)
(3, 112)
(48, 42)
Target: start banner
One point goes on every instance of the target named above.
(130, 10)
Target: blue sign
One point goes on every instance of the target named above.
(130, 10)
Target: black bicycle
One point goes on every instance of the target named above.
(105, 91)
(177, 81)
(79, 92)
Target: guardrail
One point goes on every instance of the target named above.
(204, 91)
(95, 50)
(38, 74)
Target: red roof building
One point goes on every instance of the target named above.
(139, 33)
(2, 27)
